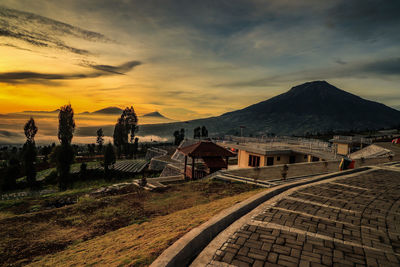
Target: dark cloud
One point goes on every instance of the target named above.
(15, 46)
(8, 134)
(366, 19)
(43, 32)
(378, 69)
(117, 69)
(383, 67)
(99, 70)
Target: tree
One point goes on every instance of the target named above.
(179, 136)
(45, 151)
(125, 127)
(196, 132)
(109, 159)
(66, 124)
(284, 171)
(100, 140)
(136, 146)
(29, 152)
(204, 132)
(91, 149)
(8, 181)
(65, 153)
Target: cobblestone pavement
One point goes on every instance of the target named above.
(350, 221)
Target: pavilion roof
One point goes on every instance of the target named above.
(206, 149)
(214, 162)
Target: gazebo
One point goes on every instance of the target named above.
(214, 156)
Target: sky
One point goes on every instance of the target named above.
(192, 59)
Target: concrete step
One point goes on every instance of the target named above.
(269, 183)
(150, 185)
(228, 178)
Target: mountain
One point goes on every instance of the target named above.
(109, 111)
(155, 114)
(310, 107)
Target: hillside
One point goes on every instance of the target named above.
(310, 107)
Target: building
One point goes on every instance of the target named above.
(261, 154)
(345, 145)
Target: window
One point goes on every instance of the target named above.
(254, 161)
(278, 158)
(305, 156)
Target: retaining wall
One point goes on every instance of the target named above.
(306, 168)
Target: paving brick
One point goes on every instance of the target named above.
(272, 257)
(228, 257)
(243, 251)
(244, 259)
(257, 256)
(360, 209)
(258, 263)
(304, 263)
(240, 263)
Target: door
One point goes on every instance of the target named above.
(292, 159)
(270, 161)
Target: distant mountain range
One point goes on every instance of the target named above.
(310, 107)
(118, 111)
(108, 111)
(154, 114)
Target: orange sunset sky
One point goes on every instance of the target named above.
(191, 59)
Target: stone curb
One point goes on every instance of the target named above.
(186, 249)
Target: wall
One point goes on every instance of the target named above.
(155, 152)
(300, 169)
(243, 158)
(171, 170)
(342, 149)
(157, 165)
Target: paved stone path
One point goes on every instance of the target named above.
(348, 221)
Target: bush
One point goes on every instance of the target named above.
(52, 178)
(109, 159)
(12, 172)
(83, 170)
(284, 171)
(64, 156)
(29, 157)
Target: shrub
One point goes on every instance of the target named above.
(284, 171)
(52, 178)
(82, 170)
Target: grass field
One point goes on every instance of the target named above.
(127, 229)
(74, 168)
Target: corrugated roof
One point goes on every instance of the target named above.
(206, 149)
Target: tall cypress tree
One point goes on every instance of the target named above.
(29, 152)
(65, 152)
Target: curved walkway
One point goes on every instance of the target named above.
(351, 220)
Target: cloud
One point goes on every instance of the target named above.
(99, 70)
(366, 19)
(384, 68)
(117, 69)
(8, 134)
(389, 66)
(40, 31)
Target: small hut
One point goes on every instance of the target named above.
(212, 155)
